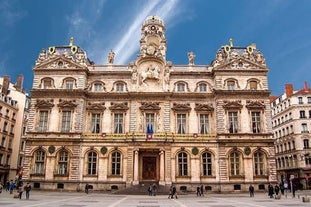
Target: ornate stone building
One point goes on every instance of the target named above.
(116, 126)
(291, 122)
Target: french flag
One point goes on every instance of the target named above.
(149, 131)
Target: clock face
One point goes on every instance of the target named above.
(150, 50)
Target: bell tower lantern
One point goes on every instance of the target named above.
(153, 42)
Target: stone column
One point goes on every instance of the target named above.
(162, 168)
(135, 181)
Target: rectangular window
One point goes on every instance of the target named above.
(203, 123)
(233, 122)
(47, 84)
(118, 123)
(43, 121)
(62, 163)
(39, 162)
(230, 85)
(150, 125)
(302, 114)
(253, 85)
(202, 87)
(256, 122)
(119, 87)
(66, 121)
(300, 100)
(309, 100)
(181, 123)
(98, 87)
(69, 84)
(304, 128)
(95, 123)
(180, 87)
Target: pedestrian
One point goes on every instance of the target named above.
(282, 188)
(251, 190)
(276, 189)
(154, 189)
(11, 187)
(198, 191)
(293, 189)
(202, 190)
(20, 190)
(27, 188)
(86, 188)
(270, 190)
(174, 192)
(170, 194)
(1, 187)
(150, 190)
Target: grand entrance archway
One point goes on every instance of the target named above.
(149, 169)
(149, 165)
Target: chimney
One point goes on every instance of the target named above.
(5, 85)
(305, 86)
(289, 89)
(19, 83)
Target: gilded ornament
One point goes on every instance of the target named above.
(51, 50)
(74, 49)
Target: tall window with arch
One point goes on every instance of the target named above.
(182, 158)
(39, 162)
(62, 166)
(91, 163)
(207, 164)
(235, 163)
(259, 163)
(116, 163)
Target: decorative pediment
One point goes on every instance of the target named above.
(46, 104)
(67, 104)
(119, 106)
(149, 106)
(60, 62)
(96, 106)
(203, 108)
(235, 105)
(255, 105)
(181, 107)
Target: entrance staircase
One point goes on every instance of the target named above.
(142, 189)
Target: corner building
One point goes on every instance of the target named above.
(117, 126)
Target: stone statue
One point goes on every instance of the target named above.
(111, 57)
(191, 57)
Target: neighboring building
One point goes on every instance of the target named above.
(13, 101)
(291, 120)
(116, 126)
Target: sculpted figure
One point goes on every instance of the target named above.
(191, 57)
(110, 57)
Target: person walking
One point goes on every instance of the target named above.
(27, 188)
(198, 191)
(202, 190)
(20, 190)
(86, 188)
(251, 190)
(174, 192)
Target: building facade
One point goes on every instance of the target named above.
(291, 120)
(116, 126)
(13, 108)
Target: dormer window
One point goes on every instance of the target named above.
(181, 87)
(69, 84)
(98, 87)
(120, 87)
(47, 83)
(253, 85)
(231, 85)
(202, 87)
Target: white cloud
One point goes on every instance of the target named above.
(100, 31)
(10, 12)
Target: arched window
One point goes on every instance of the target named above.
(98, 87)
(181, 87)
(62, 167)
(259, 163)
(182, 164)
(207, 164)
(91, 163)
(116, 163)
(120, 87)
(202, 87)
(235, 163)
(39, 162)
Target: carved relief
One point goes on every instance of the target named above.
(203, 108)
(47, 104)
(119, 106)
(235, 105)
(181, 107)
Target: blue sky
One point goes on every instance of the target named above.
(281, 29)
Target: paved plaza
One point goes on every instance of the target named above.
(75, 199)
